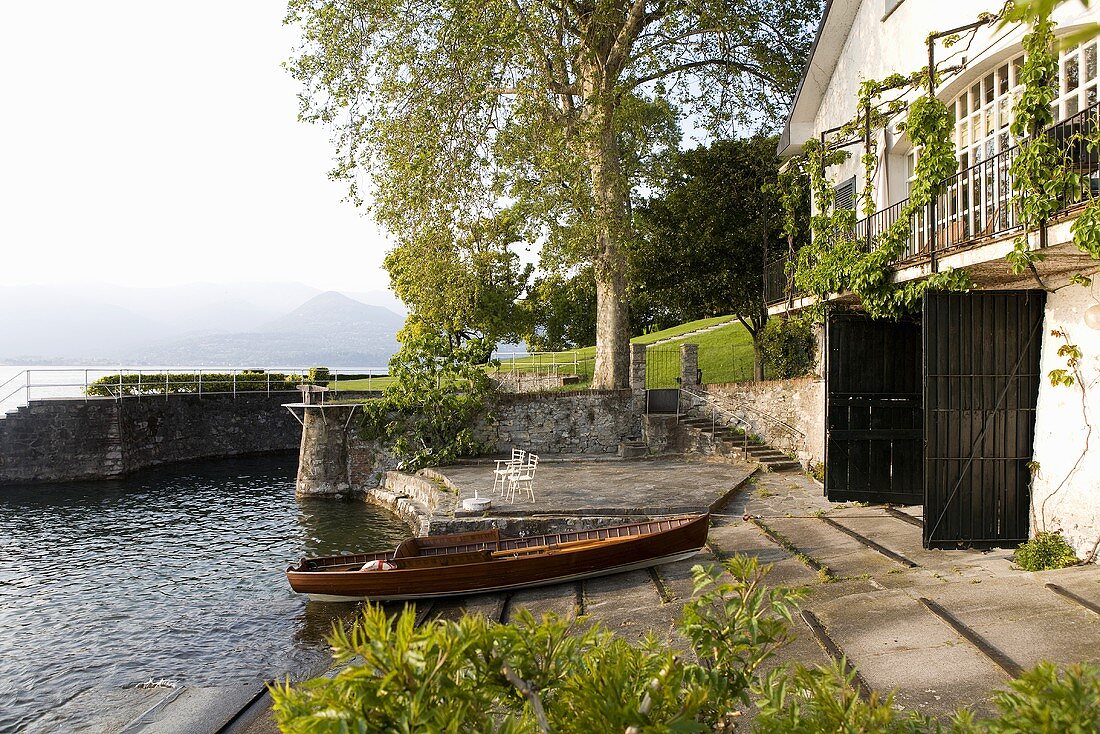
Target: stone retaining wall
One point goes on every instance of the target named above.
(588, 422)
(799, 402)
(99, 438)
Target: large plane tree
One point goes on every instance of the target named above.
(454, 111)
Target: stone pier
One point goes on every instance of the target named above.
(323, 455)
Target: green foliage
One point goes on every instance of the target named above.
(562, 113)
(185, 383)
(426, 415)
(463, 281)
(561, 311)
(820, 700)
(789, 347)
(701, 243)
(319, 374)
(1044, 552)
(1044, 700)
(834, 262)
(1040, 173)
(551, 675)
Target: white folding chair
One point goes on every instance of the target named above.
(523, 479)
(505, 467)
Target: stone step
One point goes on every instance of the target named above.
(787, 465)
(633, 449)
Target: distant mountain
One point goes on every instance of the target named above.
(203, 324)
(334, 312)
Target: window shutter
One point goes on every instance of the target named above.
(846, 194)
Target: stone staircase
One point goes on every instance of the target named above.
(734, 441)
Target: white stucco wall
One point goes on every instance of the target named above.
(1066, 490)
(876, 47)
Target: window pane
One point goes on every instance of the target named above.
(1090, 96)
(1072, 77)
(1089, 55)
(988, 88)
(1002, 80)
(1071, 106)
(975, 97)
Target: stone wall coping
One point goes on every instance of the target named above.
(750, 384)
(535, 397)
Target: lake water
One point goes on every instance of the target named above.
(171, 574)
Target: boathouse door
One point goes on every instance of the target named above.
(874, 426)
(982, 377)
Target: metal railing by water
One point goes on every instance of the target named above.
(126, 383)
(974, 206)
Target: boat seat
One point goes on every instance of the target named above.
(439, 561)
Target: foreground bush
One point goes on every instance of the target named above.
(550, 675)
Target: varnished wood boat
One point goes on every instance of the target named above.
(483, 561)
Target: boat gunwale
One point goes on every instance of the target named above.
(502, 544)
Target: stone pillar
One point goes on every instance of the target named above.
(689, 365)
(637, 367)
(323, 457)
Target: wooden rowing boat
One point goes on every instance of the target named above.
(483, 561)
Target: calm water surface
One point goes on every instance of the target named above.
(171, 574)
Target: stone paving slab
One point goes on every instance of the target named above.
(905, 539)
(745, 538)
(634, 487)
(1025, 620)
(844, 555)
(628, 604)
(780, 494)
(898, 645)
(559, 599)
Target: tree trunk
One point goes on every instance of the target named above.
(612, 209)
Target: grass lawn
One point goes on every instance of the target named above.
(725, 355)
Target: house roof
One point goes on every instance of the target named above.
(832, 32)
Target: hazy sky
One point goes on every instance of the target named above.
(152, 143)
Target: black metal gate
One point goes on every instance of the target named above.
(874, 445)
(981, 386)
(662, 379)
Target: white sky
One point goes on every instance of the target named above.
(152, 143)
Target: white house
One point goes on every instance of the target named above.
(999, 451)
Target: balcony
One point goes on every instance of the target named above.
(974, 208)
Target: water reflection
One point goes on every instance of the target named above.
(175, 573)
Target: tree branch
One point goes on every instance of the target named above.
(677, 68)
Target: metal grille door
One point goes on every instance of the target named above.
(662, 379)
(874, 426)
(981, 386)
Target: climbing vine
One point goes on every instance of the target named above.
(834, 261)
(1040, 173)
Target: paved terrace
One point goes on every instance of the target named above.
(607, 487)
(941, 629)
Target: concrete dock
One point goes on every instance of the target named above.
(937, 628)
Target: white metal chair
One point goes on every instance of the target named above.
(522, 478)
(506, 467)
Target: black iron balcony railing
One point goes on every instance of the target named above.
(975, 205)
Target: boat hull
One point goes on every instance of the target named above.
(605, 556)
(514, 587)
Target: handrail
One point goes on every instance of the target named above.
(977, 204)
(744, 425)
(153, 383)
(703, 395)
